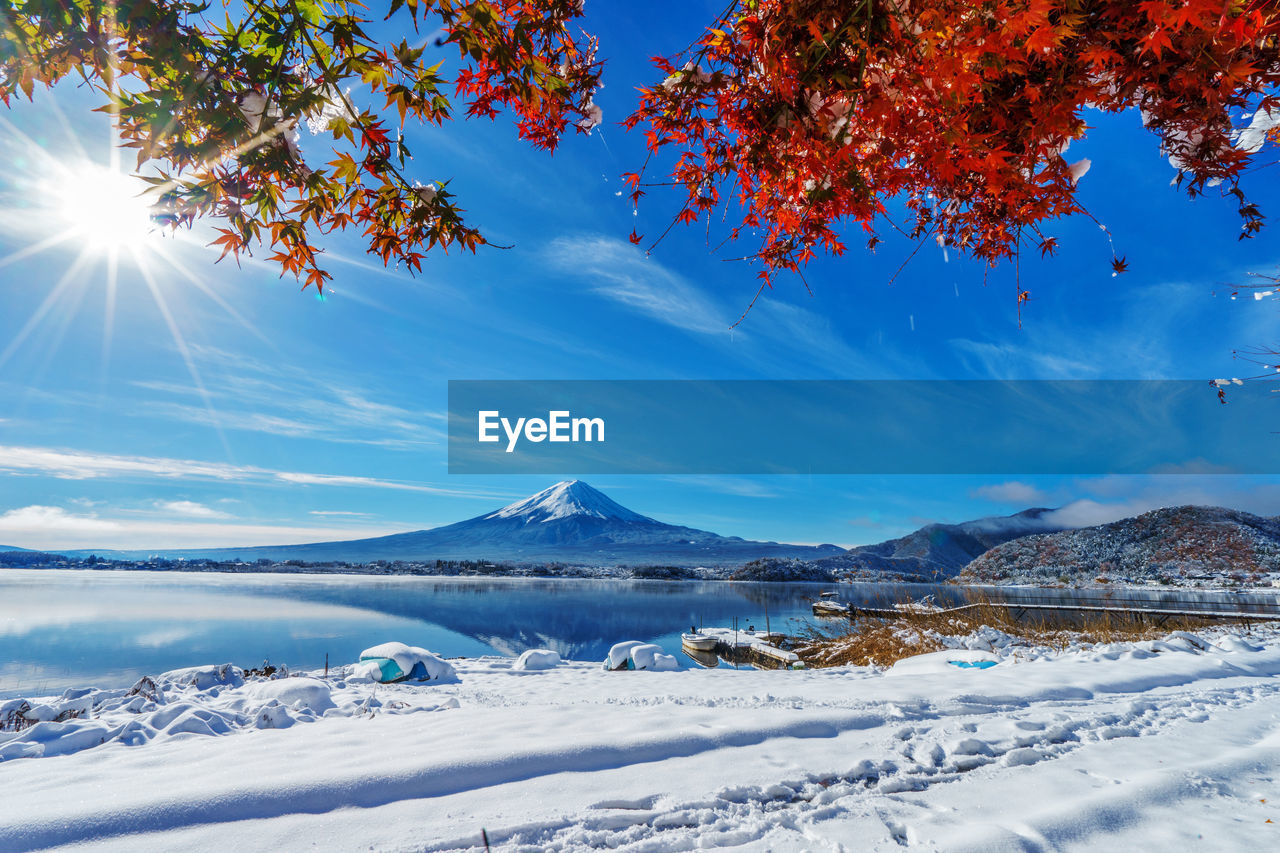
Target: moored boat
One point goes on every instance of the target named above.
(698, 642)
(923, 606)
(830, 608)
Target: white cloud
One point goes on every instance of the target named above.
(735, 486)
(77, 465)
(1106, 499)
(623, 273)
(191, 509)
(1087, 513)
(52, 519)
(793, 335)
(1146, 331)
(1029, 361)
(343, 480)
(257, 396)
(53, 528)
(774, 333)
(1012, 492)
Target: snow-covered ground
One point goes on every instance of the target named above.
(1135, 746)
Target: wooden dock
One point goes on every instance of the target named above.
(1138, 610)
(754, 648)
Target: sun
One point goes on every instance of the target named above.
(102, 209)
(61, 201)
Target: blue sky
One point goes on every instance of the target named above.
(221, 405)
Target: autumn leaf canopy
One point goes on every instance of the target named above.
(797, 119)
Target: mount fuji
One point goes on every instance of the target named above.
(570, 522)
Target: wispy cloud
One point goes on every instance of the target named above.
(190, 509)
(54, 528)
(77, 465)
(793, 335)
(362, 482)
(56, 520)
(254, 396)
(1006, 360)
(1105, 499)
(1011, 492)
(1149, 331)
(774, 333)
(623, 273)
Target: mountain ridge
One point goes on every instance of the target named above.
(1171, 545)
(939, 551)
(569, 522)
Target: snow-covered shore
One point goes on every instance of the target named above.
(1124, 746)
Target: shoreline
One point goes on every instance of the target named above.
(623, 573)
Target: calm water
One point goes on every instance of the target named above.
(70, 628)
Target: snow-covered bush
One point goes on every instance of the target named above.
(309, 693)
(537, 659)
(637, 655)
(205, 677)
(650, 656)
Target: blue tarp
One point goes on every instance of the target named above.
(390, 670)
(972, 664)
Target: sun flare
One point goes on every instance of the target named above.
(104, 209)
(63, 203)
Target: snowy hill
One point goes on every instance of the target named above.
(570, 522)
(1176, 545)
(941, 550)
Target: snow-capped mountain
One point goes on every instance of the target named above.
(1175, 545)
(565, 500)
(570, 522)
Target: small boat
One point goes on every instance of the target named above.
(830, 609)
(923, 606)
(698, 642)
(828, 594)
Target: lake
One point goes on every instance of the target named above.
(65, 628)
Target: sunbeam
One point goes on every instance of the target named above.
(208, 291)
(181, 343)
(69, 278)
(85, 206)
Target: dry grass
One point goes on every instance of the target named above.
(865, 640)
(862, 642)
(16, 719)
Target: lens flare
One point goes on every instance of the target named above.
(103, 209)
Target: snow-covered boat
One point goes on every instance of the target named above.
(830, 609)
(698, 642)
(924, 605)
